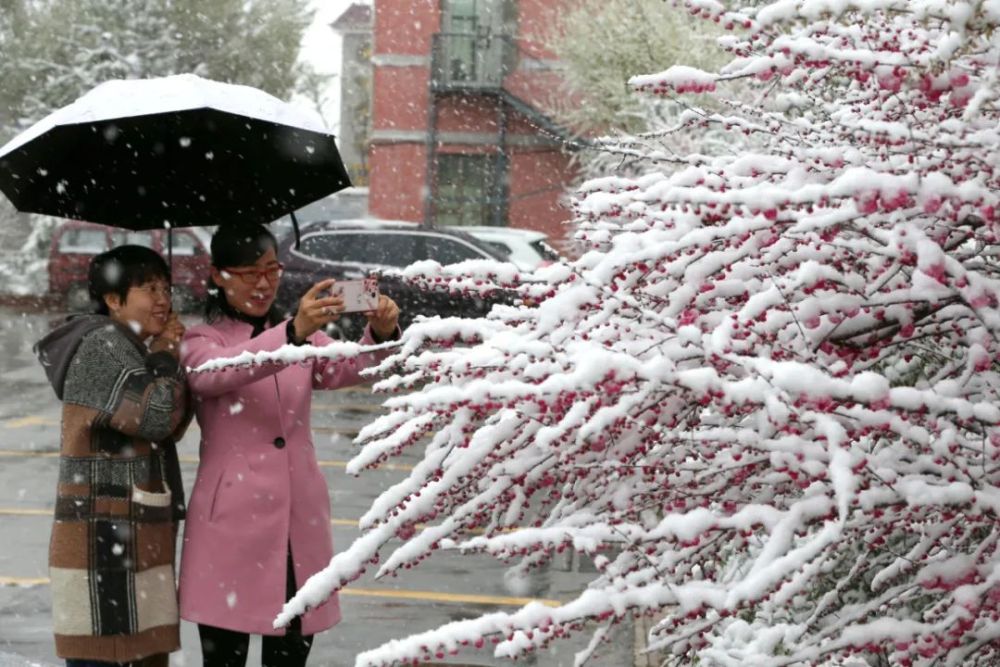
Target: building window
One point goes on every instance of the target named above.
(475, 45)
(466, 189)
(461, 16)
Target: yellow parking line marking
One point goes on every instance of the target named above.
(365, 388)
(323, 463)
(398, 467)
(35, 420)
(18, 511)
(348, 432)
(47, 512)
(24, 581)
(30, 420)
(28, 453)
(31, 511)
(419, 596)
(434, 596)
(39, 420)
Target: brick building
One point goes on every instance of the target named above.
(459, 135)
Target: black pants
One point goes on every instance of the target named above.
(229, 648)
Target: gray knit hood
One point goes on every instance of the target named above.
(56, 350)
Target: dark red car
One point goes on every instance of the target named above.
(75, 243)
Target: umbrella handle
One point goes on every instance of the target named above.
(295, 226)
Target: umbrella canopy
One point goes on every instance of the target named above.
(179, 151)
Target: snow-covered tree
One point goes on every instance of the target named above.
(62, 48)
(252, 42)
(765, 404)
(53, 51)
(601, 44)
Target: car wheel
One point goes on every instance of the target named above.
(78, 298)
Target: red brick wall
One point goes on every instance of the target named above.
(400, 99)
(537, 189)
(467, 114)
(533, 18)
(406, 26)
(539, 176)
(399, 172)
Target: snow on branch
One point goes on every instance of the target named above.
(679, 78)
(291, 354)
(764, 403)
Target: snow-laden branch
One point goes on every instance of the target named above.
(291, 354)
(764, 403)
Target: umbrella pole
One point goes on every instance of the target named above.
(170, 251)
(295, 226)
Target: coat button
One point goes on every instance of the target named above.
(279, 442)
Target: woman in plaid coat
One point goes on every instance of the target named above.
(119, 496)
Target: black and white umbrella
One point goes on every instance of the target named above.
(178, 151)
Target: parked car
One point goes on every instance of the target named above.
(350, 204)
(349, 250)
(74, 244)
(526, 248)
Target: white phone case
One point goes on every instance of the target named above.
(359, 295)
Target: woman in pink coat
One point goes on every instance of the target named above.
(258, 520)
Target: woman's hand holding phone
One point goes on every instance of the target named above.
(384, 319)
(322, 305)
(316, 310)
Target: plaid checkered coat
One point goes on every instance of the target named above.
(111, 556)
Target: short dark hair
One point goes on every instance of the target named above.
(120, 269)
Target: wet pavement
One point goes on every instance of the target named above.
(448, 587)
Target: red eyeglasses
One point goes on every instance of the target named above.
(252, 276)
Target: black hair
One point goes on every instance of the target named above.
(235, 246)
(120, 269)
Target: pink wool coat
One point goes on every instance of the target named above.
(258, 487)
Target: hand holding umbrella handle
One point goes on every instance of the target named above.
(170, 338)
(316, 311)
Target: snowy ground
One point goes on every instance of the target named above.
(448, 588)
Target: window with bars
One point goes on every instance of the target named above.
(466, 187)
(474, 50)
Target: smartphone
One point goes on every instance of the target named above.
(359, 295)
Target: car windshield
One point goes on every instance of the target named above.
(545, 250)
(499, 247)
(184, 245)
(88, 241)
(447, 250)
(393, 248)
(361, 247)
(122, 237)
